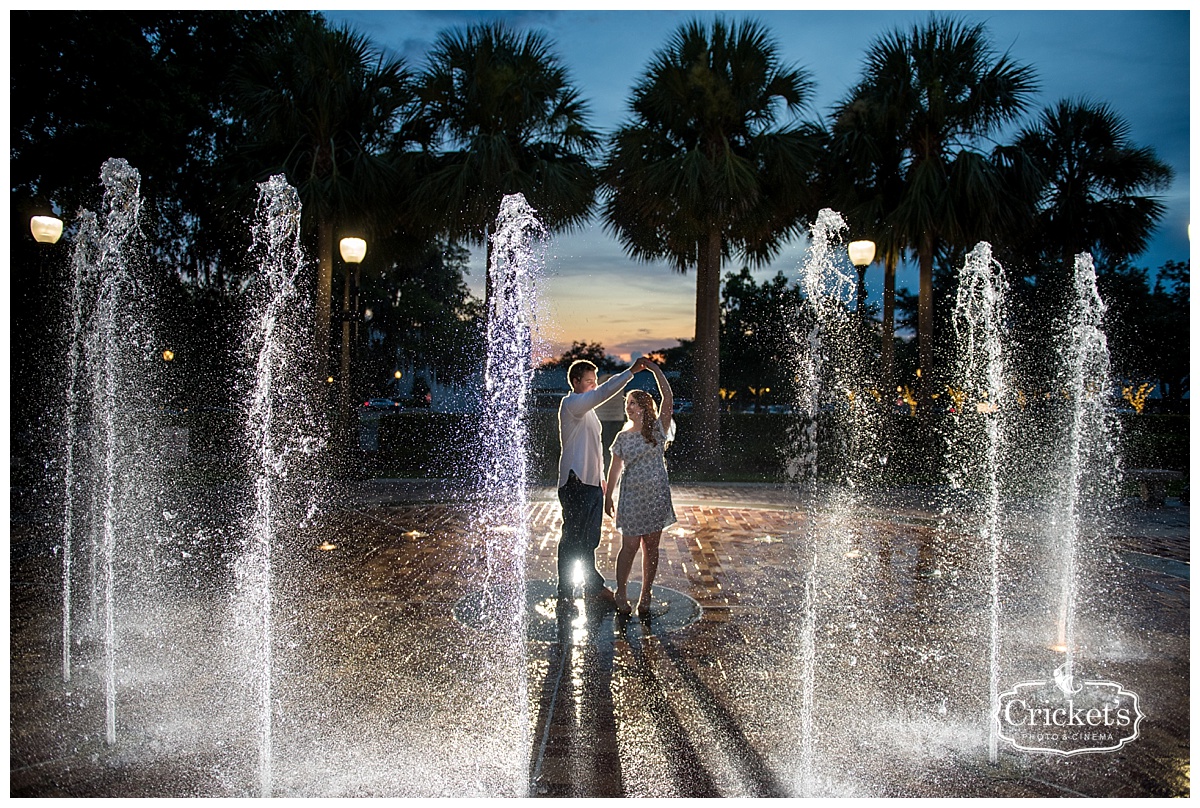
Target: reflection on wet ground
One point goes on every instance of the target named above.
(389, 681)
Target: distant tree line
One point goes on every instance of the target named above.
(1147, 323)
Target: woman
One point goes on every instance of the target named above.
(638, 463)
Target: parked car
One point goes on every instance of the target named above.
(381, 404)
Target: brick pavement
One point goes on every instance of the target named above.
(710, 709)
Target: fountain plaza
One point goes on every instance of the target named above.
(372, 697)
(1015, 631)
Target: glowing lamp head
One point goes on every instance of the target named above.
(353, 250)
(46, 229)
(862, 253)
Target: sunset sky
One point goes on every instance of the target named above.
(1136, 61)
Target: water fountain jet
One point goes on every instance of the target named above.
(516, 257)
(976, 442)
(110, 340)
(1090, 472)
(279, 430)
(832, 374)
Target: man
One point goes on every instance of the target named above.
(580, 477)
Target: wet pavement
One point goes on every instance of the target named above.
(788, 652)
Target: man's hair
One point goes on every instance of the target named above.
(577, 369)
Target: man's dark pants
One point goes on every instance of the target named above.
(582, 514)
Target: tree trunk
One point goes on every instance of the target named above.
(487, 267)
(925, 320)
(324, 297)
(707, 425)
(887, 348)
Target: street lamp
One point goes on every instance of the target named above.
(862, 253)
(46, 229)
(353, 250)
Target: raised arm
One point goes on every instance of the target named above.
(667, 410)
(579, 403)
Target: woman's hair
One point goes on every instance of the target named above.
(649, 413)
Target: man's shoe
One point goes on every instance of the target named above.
(602, 596)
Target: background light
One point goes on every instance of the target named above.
(46, 229)
(353, 250)
(862, 253)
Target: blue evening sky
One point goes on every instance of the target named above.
(1136, 61)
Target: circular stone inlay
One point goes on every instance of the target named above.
(584, 621)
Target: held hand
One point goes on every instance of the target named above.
(639, 365)
(609, 507)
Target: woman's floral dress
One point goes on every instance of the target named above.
(644, 505)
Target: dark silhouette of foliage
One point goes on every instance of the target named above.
(937, 89)
(498, 115)
(704, 167)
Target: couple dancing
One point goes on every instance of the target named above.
(644, 507)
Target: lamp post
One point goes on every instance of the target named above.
(353, 250)
(48, 230)
(862, 253)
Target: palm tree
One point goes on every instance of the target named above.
(864, 179)
(325, 105)
(501, 116)
(939, 88)
(1094, 180)
(702, 169)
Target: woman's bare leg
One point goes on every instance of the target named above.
(629, 548)
(649, 569)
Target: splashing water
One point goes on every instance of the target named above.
(976, 445)
(827, 693)
(515, 265)
(111, 341)
(84, 262)
(121, 190)
(278, 431)
(821, 281)
(1089, 470)
(832, 371)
